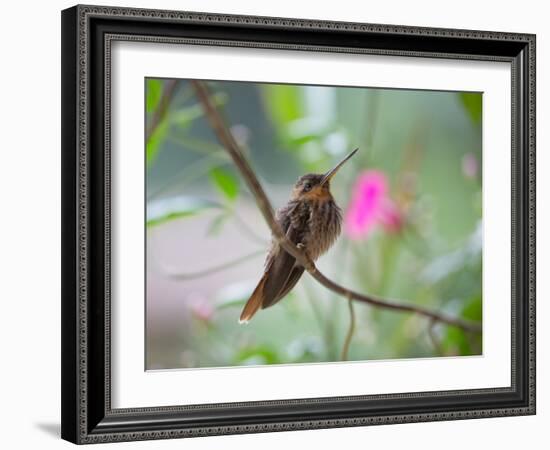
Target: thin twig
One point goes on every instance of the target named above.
(196, 169)
(228, 142)
(214, 269)
(162, 108)
(311, 297)
(250, 232)
(351, 330)
(434, 340)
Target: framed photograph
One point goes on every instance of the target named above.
(281, 224)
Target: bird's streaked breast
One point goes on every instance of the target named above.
(324, 226)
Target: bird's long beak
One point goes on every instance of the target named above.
(335, 169)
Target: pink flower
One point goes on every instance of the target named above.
(201, 308)
(469, 165)
(371, 206)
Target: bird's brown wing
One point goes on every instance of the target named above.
(295, 275)
(279, 271)
(280, 274)
(254, 302)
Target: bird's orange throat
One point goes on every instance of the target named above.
(319, 194)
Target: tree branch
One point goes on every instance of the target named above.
(227, 140)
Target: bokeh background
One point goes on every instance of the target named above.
(412, 204)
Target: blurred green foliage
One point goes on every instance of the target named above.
(284, 103)
(155, 140)
(472, 103)
(225, 182)
(153, 94)
(176, 208)
(426, 144)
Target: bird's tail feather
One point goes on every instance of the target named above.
(254, 303)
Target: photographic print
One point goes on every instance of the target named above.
(380, 188)
(368, 217)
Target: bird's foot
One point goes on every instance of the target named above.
(309, 266)
(302, 247)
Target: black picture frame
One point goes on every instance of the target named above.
(87, 32)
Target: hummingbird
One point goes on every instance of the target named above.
(312, 221)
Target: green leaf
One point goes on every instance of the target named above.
(473, 310)
(283, 103)
(185, 116)
(456, 340)
(155, 140)
(165, 210)
(226, 183)
(153, 94)
(472, 103)
(217, 224)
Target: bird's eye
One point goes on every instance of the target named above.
(307, 187)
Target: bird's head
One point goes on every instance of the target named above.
(314, 186)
